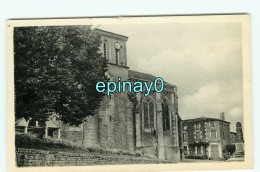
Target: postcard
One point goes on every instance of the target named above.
(154, 93)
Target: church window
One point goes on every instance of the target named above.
(117, 56)
(166, 116)
(148, 116)
(105, 46)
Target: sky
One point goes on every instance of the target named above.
(204, 61)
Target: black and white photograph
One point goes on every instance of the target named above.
(170, 91)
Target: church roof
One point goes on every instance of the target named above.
(204, 119)
(111, 34)
(143, 76)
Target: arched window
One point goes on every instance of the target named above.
(105, 50)
(117, 56)
(148, 114)
(166, 116)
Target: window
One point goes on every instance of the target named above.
(148, 117)
(166, 116)
(117, 56)
(197, 135)
(212, 124)
(185, 137)
(105, 51)
(222, 125)
(213, 134)
(223, 134)
(197, 126)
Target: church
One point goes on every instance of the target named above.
(127, 121)
(150, 124)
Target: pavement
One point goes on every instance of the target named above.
(199, 161)
(235, 159)
(206, 160)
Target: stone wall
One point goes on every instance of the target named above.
(90, 132)
(123, 123)
(34, 157)
(106, 122)
(71, 136)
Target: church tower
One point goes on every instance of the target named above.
(115, 119)
(114, 48)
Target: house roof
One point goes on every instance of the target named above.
(51, 124)
(204, 119)
(143, 76)
(21, 123)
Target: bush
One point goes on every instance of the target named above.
(231, 149)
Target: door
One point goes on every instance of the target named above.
(214, 152)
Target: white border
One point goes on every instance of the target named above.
(49, 8)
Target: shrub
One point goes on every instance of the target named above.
(231, 149)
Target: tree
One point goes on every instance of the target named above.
(56, 69)
(231, 149)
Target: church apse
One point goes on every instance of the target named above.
(156, 121)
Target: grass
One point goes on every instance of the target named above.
(31, 142)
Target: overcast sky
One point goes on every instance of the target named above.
(204, 61)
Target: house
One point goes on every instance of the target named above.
(206, 137)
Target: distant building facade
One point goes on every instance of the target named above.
(206, 137)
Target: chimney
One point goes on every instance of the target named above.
(222, 116)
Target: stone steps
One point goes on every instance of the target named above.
(239, 155)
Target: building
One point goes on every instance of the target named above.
(124, 121)
(146, 124)
(206, 137)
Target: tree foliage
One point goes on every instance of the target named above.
(56, 69)
(231, 148)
